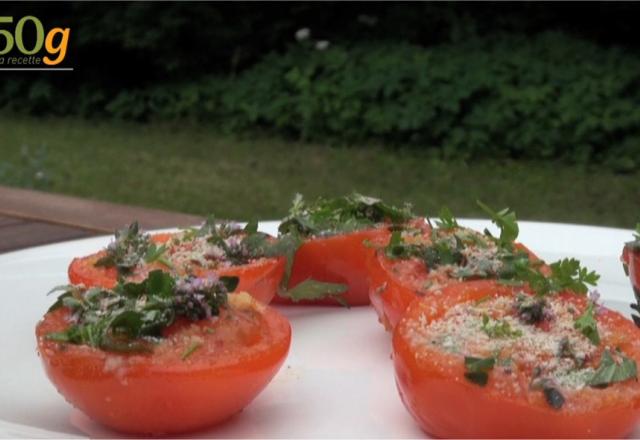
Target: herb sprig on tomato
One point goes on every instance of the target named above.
(353, 212)
(132, 316)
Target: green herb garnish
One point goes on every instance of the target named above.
(566, 274)
(477, 369)
(131, 316)
(192, 348)
(130, 248)
(588, 325)
(312, 289)
(446, 219)
(498, 329)
(506, 221)
(609, 371)
(340, 214)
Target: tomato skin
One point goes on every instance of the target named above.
(631, 260)
(336, 259)
(260, 278)
(444, 404)
(391, 291)
(152, 396)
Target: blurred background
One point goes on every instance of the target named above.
(232, 108)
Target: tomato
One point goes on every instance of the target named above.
(444, 403)
(631, 261)
(260, 277)
(395, 283)
(171, 390)
(336, 259)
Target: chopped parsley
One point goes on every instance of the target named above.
(470, 255)
(477, 369)
(588, 325)
(341, 214)
(131, 316)
(498, 328)
(609, 371)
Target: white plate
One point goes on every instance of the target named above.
(337, 382)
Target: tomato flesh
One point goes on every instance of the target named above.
(260, 278)
(432, 385)
(170, 391)
(336, 259)
(631, 261)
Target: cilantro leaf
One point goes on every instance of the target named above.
(587, 325)
(477, 369)
(609, 371)
(506, 221)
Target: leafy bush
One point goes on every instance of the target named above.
(548, 97)
(542, 97)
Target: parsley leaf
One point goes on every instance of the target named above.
(446, 220)
(588, 325)
(567, 274)
(609, 371)
(477, 369)
(506, 221)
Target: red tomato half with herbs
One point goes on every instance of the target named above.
(200, 374)
(534, 388)
(337, 259)
(260, 277)
(396, 283)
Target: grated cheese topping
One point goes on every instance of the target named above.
(550, 352)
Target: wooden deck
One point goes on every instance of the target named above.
(30, 218)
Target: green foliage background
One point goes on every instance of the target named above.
(537, 81)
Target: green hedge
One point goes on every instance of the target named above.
(550, 96)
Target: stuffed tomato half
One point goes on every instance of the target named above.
(163, 356)
(421, 259)
(487, 361)
(333, 245)
(221, 249)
